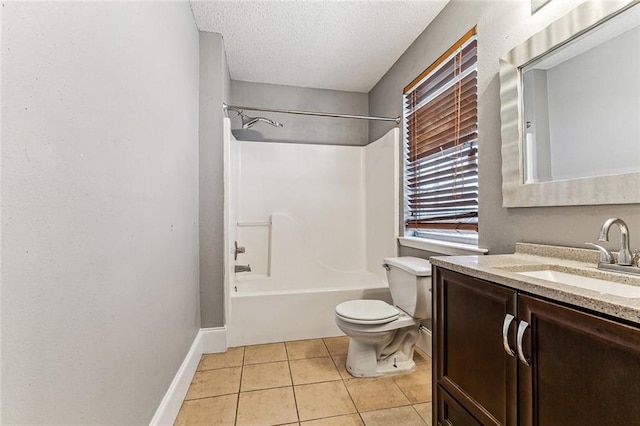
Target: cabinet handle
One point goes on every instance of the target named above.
(508, 319)
(521, 328)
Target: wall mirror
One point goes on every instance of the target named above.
(570, 102)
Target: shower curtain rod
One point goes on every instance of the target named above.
(397, 120)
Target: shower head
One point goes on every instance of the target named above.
(247, 121)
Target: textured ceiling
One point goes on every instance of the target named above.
(340, 45)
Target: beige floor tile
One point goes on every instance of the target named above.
(405, 416)
(416, 386)
(321, 400)
(348, 420)
(337, 345)
(214, 383)
(231, 358)
(270, 352)
(341, 364)
(313, 370)
(265, 376)
(301, 349)
(425, 411)
(375, 394)
(420, 358)
(219, 410)
(267, 407)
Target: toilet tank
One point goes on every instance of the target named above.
(410, 284)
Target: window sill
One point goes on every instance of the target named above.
(441, 247)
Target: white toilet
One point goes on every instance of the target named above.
(383, 337)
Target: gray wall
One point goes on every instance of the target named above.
(501, 26)
(99, 208)
(214, 90)
(299, 128)
(597, 131)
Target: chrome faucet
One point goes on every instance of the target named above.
(627, 261)
(237, 250)
(625, 258)
(606, 256)
(242, 268)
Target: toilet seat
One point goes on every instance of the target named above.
(367, 312)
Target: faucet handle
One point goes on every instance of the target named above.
(237, 250)
(605, 255)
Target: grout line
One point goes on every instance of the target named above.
(293, 389)
(414, 409)
(311, 357)
(219, 368)
(294, 386)
(265, 389)
(209, 397)
(344, 383)
(235, 420)
(266, 362)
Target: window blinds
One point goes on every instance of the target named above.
(441, 134)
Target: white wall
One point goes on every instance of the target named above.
(382, 199)
(99, 208)
(312, 210)
(320, 186)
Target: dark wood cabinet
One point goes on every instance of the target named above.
(583, 369)
(505, 358)
(451, 412)
(471, 363)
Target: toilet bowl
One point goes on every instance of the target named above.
(382, 337)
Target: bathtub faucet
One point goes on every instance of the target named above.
(243, 268)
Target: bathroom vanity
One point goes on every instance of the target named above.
(511, 348)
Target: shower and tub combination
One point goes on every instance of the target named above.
(309, 226)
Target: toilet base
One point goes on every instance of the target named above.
(392, 355)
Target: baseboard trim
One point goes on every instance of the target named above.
(170, 406)
(207, 341)
(214, 340)
(424, 341)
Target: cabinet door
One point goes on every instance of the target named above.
(584, 370)
(450, 412)
(471, 362)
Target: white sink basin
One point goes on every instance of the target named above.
(594, 284)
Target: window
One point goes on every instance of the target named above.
(441, 147)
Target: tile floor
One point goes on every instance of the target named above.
(302, 383)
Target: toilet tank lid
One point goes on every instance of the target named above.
(414, 265)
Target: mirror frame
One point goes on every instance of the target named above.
(612, 189)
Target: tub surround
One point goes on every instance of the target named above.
(502, 269)
(307, 255)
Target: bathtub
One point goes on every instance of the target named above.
(265, 316)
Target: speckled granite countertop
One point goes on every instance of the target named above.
(502, 269)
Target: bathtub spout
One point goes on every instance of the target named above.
(243, 268)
